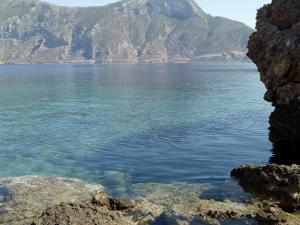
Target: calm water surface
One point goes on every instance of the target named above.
(137, 123)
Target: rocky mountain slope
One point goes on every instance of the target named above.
(32, 31)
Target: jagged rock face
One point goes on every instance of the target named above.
(272, 182)
(275, 48)
(130, 30)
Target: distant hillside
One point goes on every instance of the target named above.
(32, 31)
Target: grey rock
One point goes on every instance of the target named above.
(52, 200)
(22, 198)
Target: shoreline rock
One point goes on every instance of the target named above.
(275, 49)
(38, 200)
(275, 183)
(21, 198)
(101, 210)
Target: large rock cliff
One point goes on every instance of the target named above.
(275, 48)
(32, 31)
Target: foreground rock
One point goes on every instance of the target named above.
(254, 213)
(275, 48)
(85, 214)
(280, 184)
(102, 210)
(60, 201)
(173, 211)
(21, 198)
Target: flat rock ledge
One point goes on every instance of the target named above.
(22, 198)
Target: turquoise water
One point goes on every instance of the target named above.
(135, 123)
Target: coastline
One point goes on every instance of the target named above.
(38, 200)
(220, 57)
(133, 63)
(273, 191)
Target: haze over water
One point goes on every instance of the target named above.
(151, 123)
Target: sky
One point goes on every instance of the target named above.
(241, 10)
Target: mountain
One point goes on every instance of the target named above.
(33, 31)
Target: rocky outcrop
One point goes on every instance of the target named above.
(257, 212)
(275, 48)
(35, 200)
(22, 198)
(102, 210)
(87, 214)
(130, 31)
(53, 200)
(280, 184)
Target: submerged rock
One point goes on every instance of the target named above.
(280, 184)
(176, 199)
(35, 200)
(60, 201)
(22, 198)
(275, 48)
(252, 213)
(216, 211)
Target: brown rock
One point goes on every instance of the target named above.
(275, 48)
(101, 199)
(80, 214)
(120, 204)
(261, 213)
(275, 183)
(225, 210)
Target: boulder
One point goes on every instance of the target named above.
(276, 183)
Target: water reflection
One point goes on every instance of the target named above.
(286, 153)
(159, 123)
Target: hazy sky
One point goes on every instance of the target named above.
(241, 10)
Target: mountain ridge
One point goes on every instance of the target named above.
(33, 31)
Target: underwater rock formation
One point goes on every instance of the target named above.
(21, 198)
(275, 49)
(52, 200)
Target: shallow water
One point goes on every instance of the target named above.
(126, 124)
